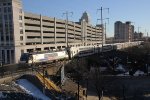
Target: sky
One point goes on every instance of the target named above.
(136, 11)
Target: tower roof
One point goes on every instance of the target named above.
(85, 17)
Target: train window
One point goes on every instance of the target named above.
(51, 55)
(24, 57)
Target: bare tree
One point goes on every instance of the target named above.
(98, 82)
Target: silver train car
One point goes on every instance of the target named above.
(68, 53)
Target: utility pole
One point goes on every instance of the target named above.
(101, 9)
(67, 14)
(106, 28)
(147, 36)
(103, 34)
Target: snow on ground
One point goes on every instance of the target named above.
(1, 95)
(138, 73)
(103, 68)
(124, 74)
(120, 68)
(31, 89)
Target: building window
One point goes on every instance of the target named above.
(9, 4)
(8, 56)
(1, 20)
(7, 38)
(12, 56)
(20, 17)
(21, 31)
(20, 24)
(20, 11)
(10, 26)
(5, 9)
(6, 25)
(10, 17)
(5, 17)
(11, 38)
(9, 9)
(4, 4)
(21, 38)
(3, 55)
(2, 38)
(30, 50)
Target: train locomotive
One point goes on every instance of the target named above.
(68, 53)
(38, 57)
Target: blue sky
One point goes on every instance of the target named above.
(137, 11)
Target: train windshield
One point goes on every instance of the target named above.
(24, 57)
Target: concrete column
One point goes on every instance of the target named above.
(85, 32)
(74, 31)
(41, 28)
(42, 48)
(55, 30)
(91, 36)
(24, 36)
(8, 58)
(82, 33)
(66, 31)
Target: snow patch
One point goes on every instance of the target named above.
(124, 74)
(138, 73)
(120, 68)
(31, 89)
(2, 96)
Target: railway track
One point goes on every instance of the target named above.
(15, 69)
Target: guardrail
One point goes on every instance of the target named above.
(49, 84)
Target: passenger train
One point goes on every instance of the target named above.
(71, 52)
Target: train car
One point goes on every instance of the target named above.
(42, 57)
(85, 51)
(97, 48)
(72, 52)
(107, 47)
(119, 45)
(25, 57)
(82, 51)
